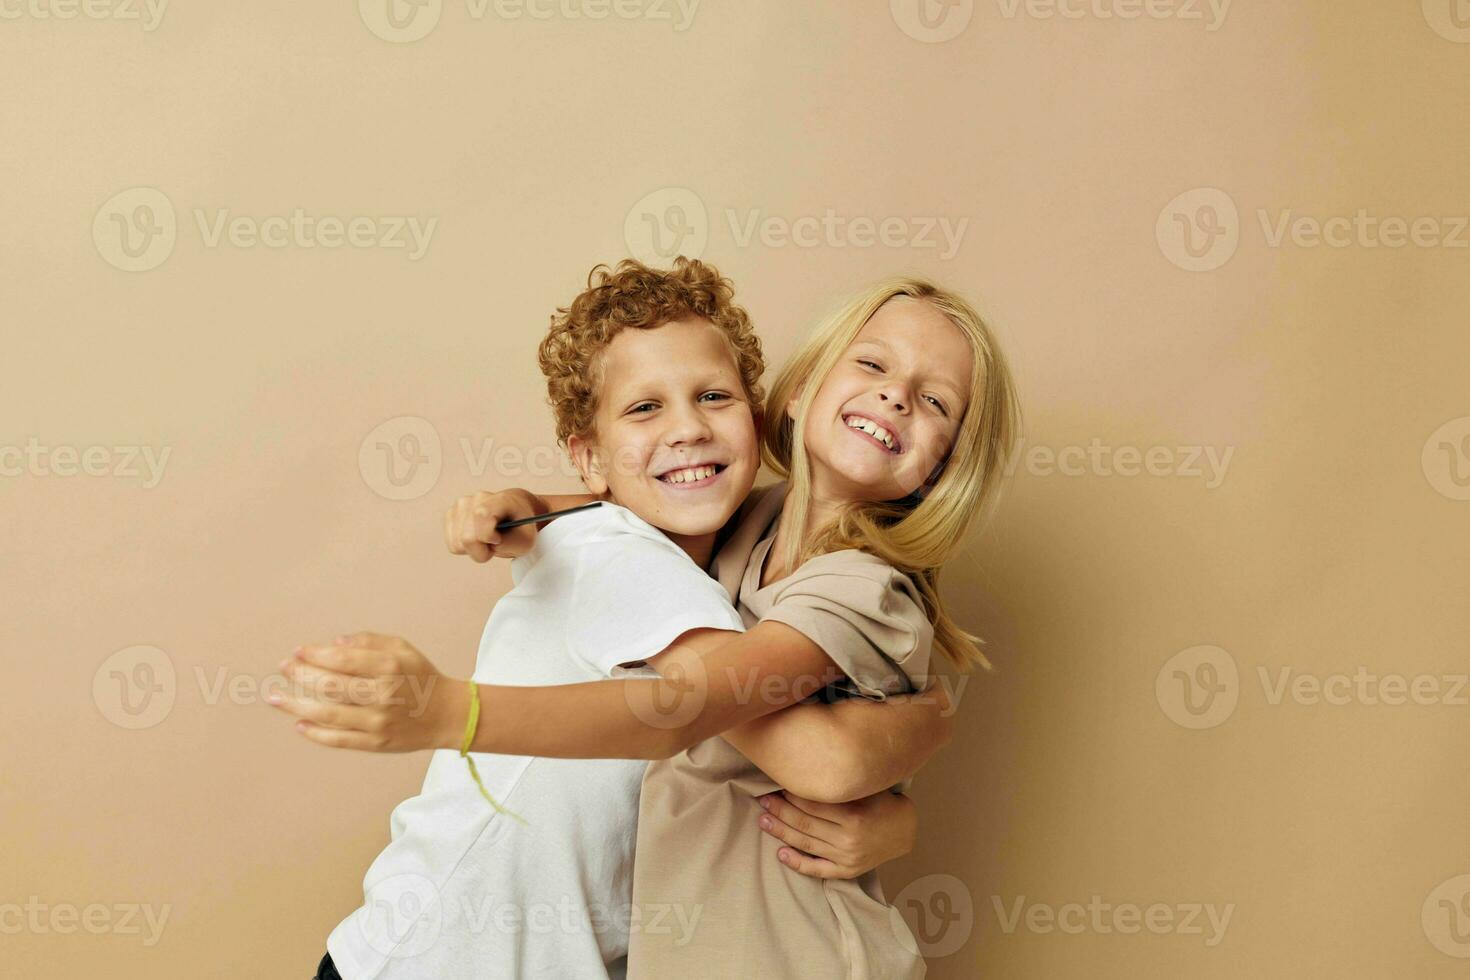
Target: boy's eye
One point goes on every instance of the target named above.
(715, 395)
(639, 409)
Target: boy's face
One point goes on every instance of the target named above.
(674, 438)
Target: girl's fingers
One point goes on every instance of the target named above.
(329, 685)
(451, 540)
(327, 713)
(337, 738)
(356, 659)
(480, 529)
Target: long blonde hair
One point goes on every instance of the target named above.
(915, 536)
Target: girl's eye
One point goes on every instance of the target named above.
(936, 403)
(872, 364)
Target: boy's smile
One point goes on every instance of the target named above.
(674, 436)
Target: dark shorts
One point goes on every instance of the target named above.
(327, 970)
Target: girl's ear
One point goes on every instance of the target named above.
(589, 463)
(791, 402)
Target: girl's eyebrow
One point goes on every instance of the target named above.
(951, 389)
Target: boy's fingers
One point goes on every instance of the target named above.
(789, 835)
(826, 811)
(782, 808)
(810, 866)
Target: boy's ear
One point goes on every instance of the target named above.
(758, 416)
(589, 463)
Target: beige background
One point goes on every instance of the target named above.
(1335, 540)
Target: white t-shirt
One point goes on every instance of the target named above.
(464, 891)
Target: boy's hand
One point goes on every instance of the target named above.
(469, 526)
(840, 840)
(372, 692)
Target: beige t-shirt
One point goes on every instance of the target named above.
(710, 897)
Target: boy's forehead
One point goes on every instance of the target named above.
(681, 350)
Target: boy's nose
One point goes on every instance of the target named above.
(687, 427)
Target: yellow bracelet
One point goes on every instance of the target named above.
(471, 724)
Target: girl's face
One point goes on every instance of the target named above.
(890, 409)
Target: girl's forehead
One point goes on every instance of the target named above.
(919, 333)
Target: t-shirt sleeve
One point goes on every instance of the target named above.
(865, 615)
(633, 596)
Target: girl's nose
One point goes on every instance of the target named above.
(897, 401)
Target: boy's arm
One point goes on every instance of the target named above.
(833, 753)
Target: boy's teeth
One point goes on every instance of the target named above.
(689, 475)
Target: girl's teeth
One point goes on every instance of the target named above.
(872, 429)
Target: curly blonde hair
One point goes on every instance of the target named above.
(633, 295)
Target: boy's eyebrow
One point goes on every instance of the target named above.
(649, 389)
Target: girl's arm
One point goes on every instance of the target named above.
(379, 694)
(833, 753)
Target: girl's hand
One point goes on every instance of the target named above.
(469, 525)
(840, 840)
(372, 692)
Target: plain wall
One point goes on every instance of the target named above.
(1331, 540)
